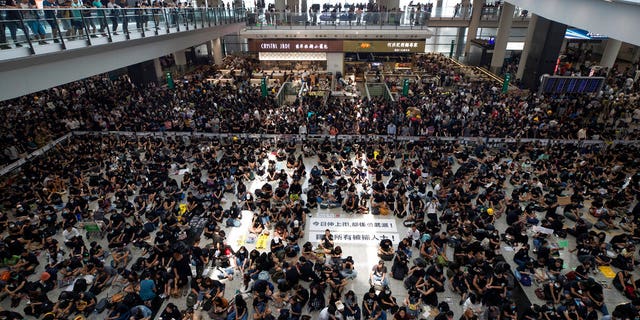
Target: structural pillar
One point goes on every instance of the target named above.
(157, 65)
(459, 42)
(636, 55)
(142, 73)
(610, 53)
(541, 50)
(216, 51)
(476, 12)
(180, 58)
(504, 29)
(527, 44)
(303, 7)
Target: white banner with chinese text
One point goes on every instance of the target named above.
(352, 225)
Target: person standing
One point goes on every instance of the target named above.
(123, 12)
(32, 17)
(50, 17)
(101, 17)
(113, 14)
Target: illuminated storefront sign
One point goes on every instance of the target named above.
(295, 45)
(412, 46)
(409, 46)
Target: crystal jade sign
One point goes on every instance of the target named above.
(295, 45)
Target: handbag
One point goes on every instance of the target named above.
(539, 293)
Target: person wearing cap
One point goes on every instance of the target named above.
(387, 300)
(378, 275)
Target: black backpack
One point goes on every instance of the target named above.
(102, 305)
(399, 271)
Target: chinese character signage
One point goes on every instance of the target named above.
(348, 230)
(411, 46)
(295, 45)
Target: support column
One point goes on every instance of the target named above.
(303, 7)
(527, 45)
(335, 62)
(476, 12)
(610, 53)
(143, 72)
(636, 55)
(180, 57)
(541, 50)
(504, 29)
(216, 51)
(209, 50)
(459, 42)
(158, 68)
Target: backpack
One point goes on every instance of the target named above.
(192, 298)
(398, 272)
(102, 305)
(525, 280)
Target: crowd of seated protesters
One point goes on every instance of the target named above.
(143, 207)
(450, 194)
(459, 106)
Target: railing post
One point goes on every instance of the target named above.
(57, 26)
(125, 23)
(156, 20)
(104, 16)
(25, 29)
(84, 26)
(166, 18)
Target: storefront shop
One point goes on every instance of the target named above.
(296, 55)
(379, 56)
(352, 57)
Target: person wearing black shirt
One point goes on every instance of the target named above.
(370, 307)
(387, 301)
(326, 242)
(336, 280)
(548, 311)
(509, 311)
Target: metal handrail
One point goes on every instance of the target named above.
(351, 18)
(282, 92)
(388, 93)
(43, 30)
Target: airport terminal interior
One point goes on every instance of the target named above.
(295, 159)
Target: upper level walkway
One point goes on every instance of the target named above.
(25, 32)
(409, 18)
(45, 48)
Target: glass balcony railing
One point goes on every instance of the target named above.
(410, 17)
(45, 30)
